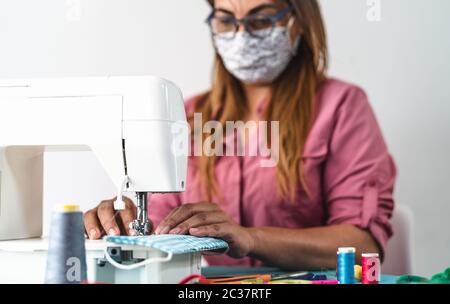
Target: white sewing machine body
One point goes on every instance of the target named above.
(135, 126)
(24, 261)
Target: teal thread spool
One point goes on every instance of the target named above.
(66, 260)
(346, 265)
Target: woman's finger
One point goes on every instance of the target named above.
(181, 214)
(92, 225)
(106, 215)
(127, 216)
(200, 219)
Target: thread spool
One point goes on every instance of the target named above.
(66, 260)
(346, 265)
(371, 268)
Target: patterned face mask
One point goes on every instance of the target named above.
(256, 60)
(172, 243)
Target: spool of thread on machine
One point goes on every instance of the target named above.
(346, 265)
(371, 268)
(66, 260)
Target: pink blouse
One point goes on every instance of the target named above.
(347, 166)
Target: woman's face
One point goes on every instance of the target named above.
(260, 57)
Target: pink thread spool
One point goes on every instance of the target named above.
(371, 268)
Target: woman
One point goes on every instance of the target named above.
(333, 183)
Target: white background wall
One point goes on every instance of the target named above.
(402, 62)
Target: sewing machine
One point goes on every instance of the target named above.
(137, 129)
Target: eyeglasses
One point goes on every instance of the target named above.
(253, 24)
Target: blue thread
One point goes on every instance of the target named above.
(346, 265)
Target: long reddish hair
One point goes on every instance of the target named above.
(292, 102)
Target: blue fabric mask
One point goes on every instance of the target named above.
(171, 243)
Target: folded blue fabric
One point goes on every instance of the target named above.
(175, 244)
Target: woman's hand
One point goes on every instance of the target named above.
(207, 219)
(104, 219)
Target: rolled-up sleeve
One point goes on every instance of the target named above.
(359, 173)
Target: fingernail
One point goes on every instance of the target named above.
(112, 232)
(93, 234)
(164, 230)
(131, 232)
(194, 230)
(157, 230)
(175, 231)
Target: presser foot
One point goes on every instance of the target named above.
(141, 228)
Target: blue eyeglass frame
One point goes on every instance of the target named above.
(244, 21)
